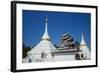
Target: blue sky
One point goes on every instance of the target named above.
(58, 24)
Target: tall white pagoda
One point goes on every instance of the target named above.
(43, 51)
(84, 49)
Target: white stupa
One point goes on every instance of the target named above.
(43, 51)
(84, 49)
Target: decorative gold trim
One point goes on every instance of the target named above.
(46, 39)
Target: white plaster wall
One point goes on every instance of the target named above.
(64, 57)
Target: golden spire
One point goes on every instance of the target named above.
(45, 35)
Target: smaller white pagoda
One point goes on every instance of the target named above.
(85, 54)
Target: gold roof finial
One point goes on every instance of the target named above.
(46, 36)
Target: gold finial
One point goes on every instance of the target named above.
(46, 19)
(46, 36)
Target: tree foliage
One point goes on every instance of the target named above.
(25, 49)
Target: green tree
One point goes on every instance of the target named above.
(25, 49)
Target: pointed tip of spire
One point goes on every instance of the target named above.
(82, 33)
(46, 19)
(82, 39)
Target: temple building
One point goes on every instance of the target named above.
(45, 51)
